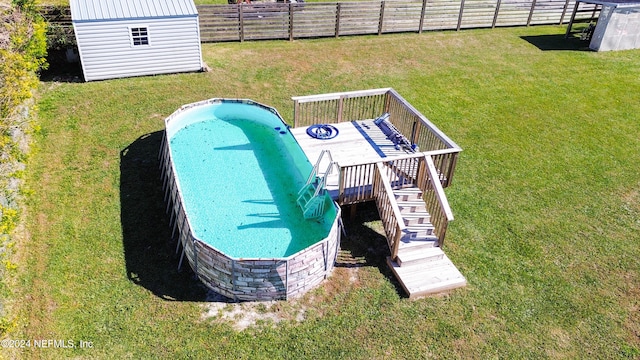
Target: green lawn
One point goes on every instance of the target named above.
(546, 198)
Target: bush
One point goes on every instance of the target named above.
(23, 50)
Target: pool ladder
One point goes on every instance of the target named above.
(311, 197)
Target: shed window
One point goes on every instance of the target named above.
(139, 36)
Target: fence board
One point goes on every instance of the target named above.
(315, 20)
(401, 17)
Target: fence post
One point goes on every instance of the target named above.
(241, 22)
(593, 14)
(338, 7)
(460, 15)
(290, 21)
(533, 7)
(381, 17)
(564, 11)
(573, 17)
(422, 13)
(495, 16)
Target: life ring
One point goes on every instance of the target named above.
(322, 131)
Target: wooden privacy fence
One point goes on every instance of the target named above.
(262, 21)
(270, 21)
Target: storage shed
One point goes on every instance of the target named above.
(617, 27)
(123, 38)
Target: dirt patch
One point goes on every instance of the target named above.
(243, 315)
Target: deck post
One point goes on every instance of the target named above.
(352, 211)
(396, 243)
(341, 187)
(387, 101)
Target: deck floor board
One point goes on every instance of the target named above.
(351, 146)
(359, 143)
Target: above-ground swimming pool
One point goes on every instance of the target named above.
(232, 171)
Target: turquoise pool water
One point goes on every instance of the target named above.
(239, 170)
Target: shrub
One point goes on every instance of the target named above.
(23, 48)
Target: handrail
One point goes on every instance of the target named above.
(408, 156)
(439, 190)
(314, 171)
(440, 211)
(399, 225)
(387, 187)
(323, 179)
(339, 95)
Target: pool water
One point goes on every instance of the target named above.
(239, 180)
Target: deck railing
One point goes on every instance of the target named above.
(418, 129)
(370, 104)
(338, 107)
(355, 184)
(421, 172)
(435, 199)
(388, 209)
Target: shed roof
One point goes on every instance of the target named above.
(88, 10)
(614, 3)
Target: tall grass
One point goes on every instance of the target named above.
(546, 198)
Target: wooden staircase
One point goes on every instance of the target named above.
(421, 266)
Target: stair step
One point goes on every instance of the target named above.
(426, 243)
(412, 256)
(412, 206)
(415, 232)
(314, 208)
(416, 218)
(408, 189)
(408, 194)
(428, 277)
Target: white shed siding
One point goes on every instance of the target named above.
(105, 46)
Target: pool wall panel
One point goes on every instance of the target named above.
(264, 279)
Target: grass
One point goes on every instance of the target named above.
(546, 197)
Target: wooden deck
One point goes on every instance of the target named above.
(420, 266)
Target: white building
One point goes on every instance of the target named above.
(123, 38)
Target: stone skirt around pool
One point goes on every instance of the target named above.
(232, 171)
